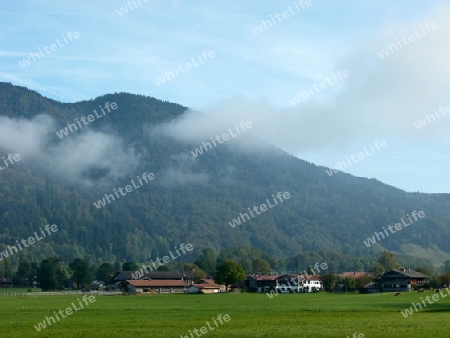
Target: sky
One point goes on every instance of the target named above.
(312, 80)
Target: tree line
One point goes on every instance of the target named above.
(226, 268)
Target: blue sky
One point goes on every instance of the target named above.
(253, 76)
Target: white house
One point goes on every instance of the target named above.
(287, 283)
(313, 282)
(298, 283)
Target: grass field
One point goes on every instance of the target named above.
(8, 290)
(252, 315)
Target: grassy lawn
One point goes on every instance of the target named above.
(12, 290)
(252, 315)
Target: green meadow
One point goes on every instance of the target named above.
(252, 315)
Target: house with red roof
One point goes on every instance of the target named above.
(155, 286)
(286, 283)
(206, 286)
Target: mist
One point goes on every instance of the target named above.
(86, 158)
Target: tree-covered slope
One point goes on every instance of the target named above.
(192, 199)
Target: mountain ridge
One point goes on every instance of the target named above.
(192, 199)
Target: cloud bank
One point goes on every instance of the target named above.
(381, 98)
(84, 158)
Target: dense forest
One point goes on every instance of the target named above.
(192, 199)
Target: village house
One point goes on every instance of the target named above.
(155, 286)
(260, 283)
(206, 286)
(153, 282)
(284, 283)
(311, 284)
(401, 280)
(357, 275)
(368, 287)
(184, 276)
(6, 283)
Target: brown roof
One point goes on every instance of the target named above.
(207, 281)
(300, 276)
(156, 283)
(268, 277)
(311, 277)
(356, 275)
(164, 275)
(408, 273)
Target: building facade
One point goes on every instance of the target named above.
(401, 280)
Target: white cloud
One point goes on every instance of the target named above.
(380, 97)
(87, 157)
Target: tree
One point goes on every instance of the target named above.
(23, 273)
(62, 275)
(51, 274)
(334, 266)
(8, 272)
(229, 273)
(163, 268)
(260, 266)
(81, 273)
(424, 270)
(33, 274)
(388, 261)
(445, 279)
(207, 260)
(362, 282)
(105, 272)
(377, 269)
(130, 266)
(46, 274)
(349, 284)
(245, 262)
(197, 273)
(329, 281)
(447, 266)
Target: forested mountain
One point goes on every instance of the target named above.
(192, 199)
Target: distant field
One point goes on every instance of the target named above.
(252, 315)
